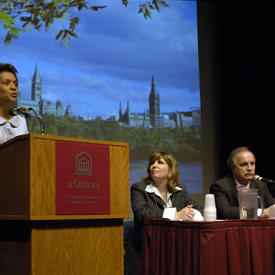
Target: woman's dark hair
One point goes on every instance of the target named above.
(5, 67)
(174, 176)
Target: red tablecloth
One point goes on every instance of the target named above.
(235, 247)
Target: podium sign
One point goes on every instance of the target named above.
(62, 205)
(82, 178)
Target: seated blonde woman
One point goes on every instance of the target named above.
(159, 195)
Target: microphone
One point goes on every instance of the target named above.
(22, 110)
(261, 179)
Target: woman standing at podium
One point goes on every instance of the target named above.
(10, 125)
(159, 195)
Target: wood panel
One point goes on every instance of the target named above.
(61, 247)
(42, 179)
(120, 181)
(14, 178)
(80, 250)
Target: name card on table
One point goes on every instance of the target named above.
(82, 178)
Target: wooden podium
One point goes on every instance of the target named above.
(34, 239)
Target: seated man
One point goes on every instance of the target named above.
(241, 162)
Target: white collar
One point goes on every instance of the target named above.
(14, 121)
(150, 188)
(241, 186)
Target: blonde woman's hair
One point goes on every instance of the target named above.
(174, 176)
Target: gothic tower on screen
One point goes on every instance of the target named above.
(154, 106)
(124, 117)
(36, 85)
(37, 102)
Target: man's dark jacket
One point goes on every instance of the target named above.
(226, 196)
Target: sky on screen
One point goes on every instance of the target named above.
(113, 60)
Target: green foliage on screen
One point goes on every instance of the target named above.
(184, 144)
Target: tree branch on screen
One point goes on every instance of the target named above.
(25, 15)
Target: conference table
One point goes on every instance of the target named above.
(235, 247)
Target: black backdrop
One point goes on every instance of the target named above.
(237, 55)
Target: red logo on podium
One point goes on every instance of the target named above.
(82, 178)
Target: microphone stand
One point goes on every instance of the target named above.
(41, 121)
